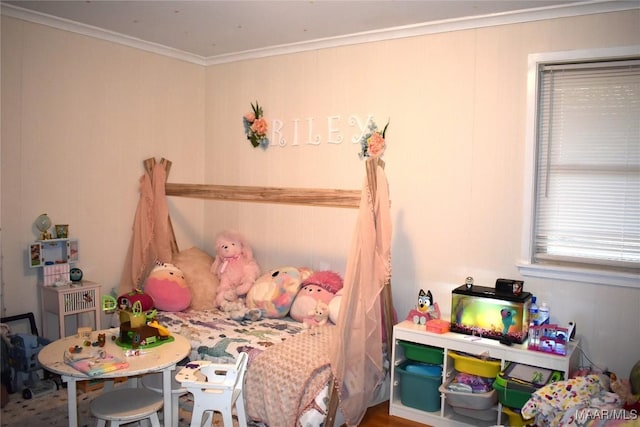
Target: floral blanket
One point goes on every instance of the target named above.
(581, 401)
(216, 338)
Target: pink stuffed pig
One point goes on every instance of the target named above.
(321, 286)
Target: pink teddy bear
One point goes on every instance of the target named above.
(234, 266)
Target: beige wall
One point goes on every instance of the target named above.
(79, 116)
(456, 102)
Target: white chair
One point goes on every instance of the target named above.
(126, 405)
(215, 387)
(154, 382)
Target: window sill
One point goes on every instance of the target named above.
(608, 278)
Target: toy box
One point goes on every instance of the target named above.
(483, 311)
(418, 389)
(422, 353)
(518, 381)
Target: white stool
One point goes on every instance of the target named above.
(125, 405)
(215, 387)
(154, 382)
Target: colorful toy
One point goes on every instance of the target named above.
(425, 310)
(135, 311)
(273, 292)
(320, 286)
(234, 266)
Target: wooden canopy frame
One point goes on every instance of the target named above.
(336, 198)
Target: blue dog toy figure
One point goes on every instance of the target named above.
(425, 309)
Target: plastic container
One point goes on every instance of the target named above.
(422, 353)
(476, 401)
(478, 414)
(543, 314)
(533, 312)
(438, 326)
(515, 419)
(417, 390)
(424, 369)
(474, 365)
(511, 396)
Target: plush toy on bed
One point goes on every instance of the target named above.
(321, 286)
(318, 316)
(167, 288)
(234, 266)
(274, 291)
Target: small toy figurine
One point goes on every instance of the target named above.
(425, 310)
(102, 339)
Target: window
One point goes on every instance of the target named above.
(584, 148)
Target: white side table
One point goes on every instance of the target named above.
(69, 300)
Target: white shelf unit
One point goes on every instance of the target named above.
(409, 332)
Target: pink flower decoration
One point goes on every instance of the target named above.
(375, 144)
(250, 117)
(259, 126)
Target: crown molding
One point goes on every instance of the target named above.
(98, 33)
(552, 12)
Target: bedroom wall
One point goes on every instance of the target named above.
(79, 116)
(455, 158)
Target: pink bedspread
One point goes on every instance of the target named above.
(297, 369)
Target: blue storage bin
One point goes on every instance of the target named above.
(417, 389)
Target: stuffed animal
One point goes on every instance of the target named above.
(168, 288)
(318, 316)
(274, 292)
(234, 266)
(425, 310)
(320, 286)
(238, 311)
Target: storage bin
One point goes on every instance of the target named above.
(479, 414)
(461, 399)
(417, 390)
(488, 368)
(423, 353)
(511, 396)
(515, 419)
(518, 382)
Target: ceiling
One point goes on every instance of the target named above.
(208, 29)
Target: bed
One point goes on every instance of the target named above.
(296, 376)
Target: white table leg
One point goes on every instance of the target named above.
(72, 406)
(166, 394)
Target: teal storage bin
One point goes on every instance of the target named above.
(423, 353)
(418, 390)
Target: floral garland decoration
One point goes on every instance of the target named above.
(373, 143)
(255, 127)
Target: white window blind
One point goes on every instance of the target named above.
(587, 187)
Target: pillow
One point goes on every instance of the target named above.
(167, 286)
(274, 292)
(195, 264)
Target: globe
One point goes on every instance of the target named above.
(43, 223)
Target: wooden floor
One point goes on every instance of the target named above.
(378, 416)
